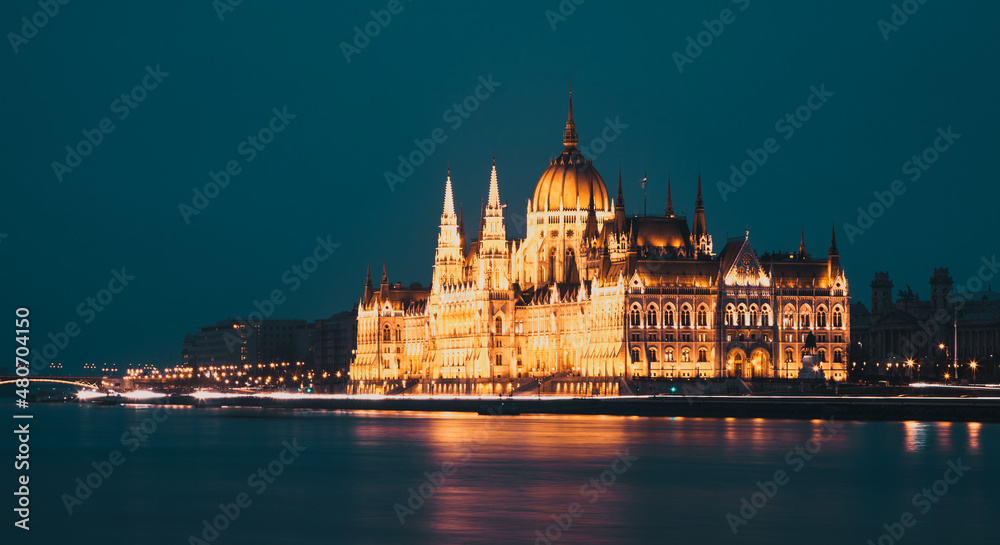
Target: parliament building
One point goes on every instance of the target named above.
(593, 292)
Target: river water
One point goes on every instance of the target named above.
(346, 477)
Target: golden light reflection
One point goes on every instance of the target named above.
(974, 428)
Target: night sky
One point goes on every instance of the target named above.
(218, 82)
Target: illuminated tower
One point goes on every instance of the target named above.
(449, 259)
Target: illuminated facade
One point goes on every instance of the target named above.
(593, 292)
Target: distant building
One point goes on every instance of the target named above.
(243, 352)
(898, 331)
(591, 291)
(334, 342)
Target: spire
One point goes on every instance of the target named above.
(449, 200)
(569, 137)
(802, 243)
(385, 278)
(368, 286)
(482, 220)
(833, 241)
(494, 197)
(670, 200)
(590, 233)
(699, 228)
(461, 229)
(620, 200)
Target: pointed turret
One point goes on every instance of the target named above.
(494, 196)
(569, 136)
(590, 232)
(449, 202)
(385, 277)
(699, 227)
(368, 287)
(620, 206)
(670, 200)
(833, 256)
(802, 246)
(461, 230)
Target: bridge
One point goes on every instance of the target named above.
(92, 383)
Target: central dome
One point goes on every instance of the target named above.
(571, 178)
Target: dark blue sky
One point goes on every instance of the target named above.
(323, 174)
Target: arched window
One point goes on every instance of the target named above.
(838, 355)
(686, 316)
(789, 355)
(652, 355)
(635, 318)
(765, 316)
(702, 316)
(804, 319)
(822, 355)
(399, 334)
(498, 325)
(651, 316)
(730, 315)
(742, 316)
(838, 318)
(636, 355)
(821, 317)
(668, 316)
(702, 355)
(386, 334)
(499, 360)
(789, 319)
(668, 354)
(753, 316)
(686, 354)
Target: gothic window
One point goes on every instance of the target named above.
(668, 316)
(636, 354)
(386, 334)
(635, 318)
(804, 320)
(838, 318)
(730, 315)
(789, 355)
(686, 354)
(499, 360)
(686, 316)
(822, 355)
(821, 318)
(399, 334)
(838, 355)
(652, 355)
(651, 316)
(668, 355)
(765, 316)
(498, 325)
(789, 319)
(702, 355)
(742, 316)
(702, 316)
(753, 316)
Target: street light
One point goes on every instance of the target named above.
(973, 365)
